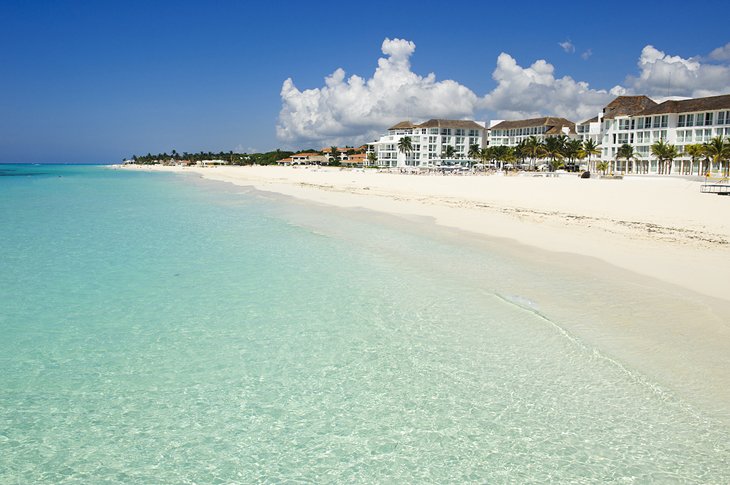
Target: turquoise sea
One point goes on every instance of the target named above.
(157, 328)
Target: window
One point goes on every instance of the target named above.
(664, 121)
(721, 118)
(623, 124)
(699, 119)
(681, 121)
(708, 119)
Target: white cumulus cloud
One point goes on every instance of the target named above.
(662, 75)
(721, 53)
(356, 110)
(350, 110)
(527, 92)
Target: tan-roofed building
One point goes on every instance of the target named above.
(305, 158)
(429, 143)
(344, 153)
(626, 106)
(677, 122)
(355, 160)
(511, 133)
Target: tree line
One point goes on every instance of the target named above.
(702, 155)
(559, 151)
(267, 158)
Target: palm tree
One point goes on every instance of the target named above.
(372, 158)
(405, 146)
(669, 155)
(448, 152)
(334, 154)
(505, 154)
(521, 150)
(602, 166)
(474, 151)
(534, 148)
(659, 150)
(555, 149)
(718, 151)
(573, 150)
(485, 154)
(590, 148)
(626, 152)
(695, 151)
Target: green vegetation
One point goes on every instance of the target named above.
(665, 154)
(405, 146)
(696, 152)
(717, 150)
(560, 151)
(268, 158)
(626, 152)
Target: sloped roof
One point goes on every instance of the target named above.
(306, 154)
(709, 103)
(550, 121)
(558, 130)
(436, 123)
(592, 120)
(627, 106)
(339, 149)
(403, 125)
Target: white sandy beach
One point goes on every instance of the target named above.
(657, 227)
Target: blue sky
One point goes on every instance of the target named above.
(98, 81)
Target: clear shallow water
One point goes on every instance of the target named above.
(156, 329)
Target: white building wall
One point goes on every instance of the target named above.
(428, 145)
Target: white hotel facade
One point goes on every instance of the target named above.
(428, 142)
(641, 122)
(635, 120)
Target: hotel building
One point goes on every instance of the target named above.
(429, 142)
(511, 133)
(640, 122)
(634, 120)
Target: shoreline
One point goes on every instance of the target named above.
(657, 227)
(674, 328)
